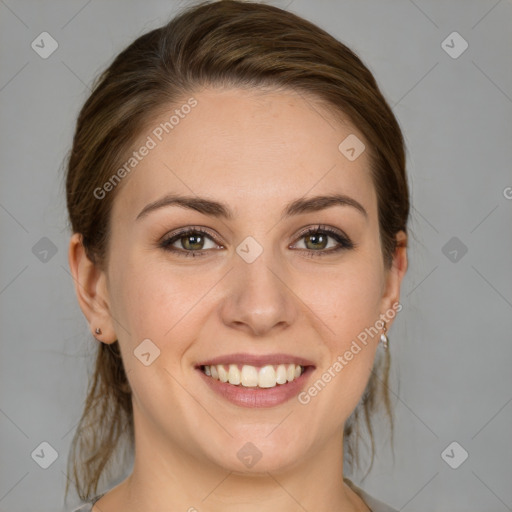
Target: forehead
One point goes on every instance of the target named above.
(254, 150)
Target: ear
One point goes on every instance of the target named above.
(394, 276)
(91, 290)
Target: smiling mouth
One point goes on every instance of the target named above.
(265, 377)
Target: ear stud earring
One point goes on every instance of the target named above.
(98, 330)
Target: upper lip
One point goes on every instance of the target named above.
(256, 360)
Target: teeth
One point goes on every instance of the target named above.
(267, 377)
(234, 374)
(251, 376)
(290, 372)
(222, 373)
(281, 374)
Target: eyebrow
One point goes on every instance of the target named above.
(217, 209)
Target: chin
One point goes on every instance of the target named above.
(257, 454)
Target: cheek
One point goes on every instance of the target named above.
(133, 296)
(347, 299)
(153, 301)
(347, 302)
(157, 307)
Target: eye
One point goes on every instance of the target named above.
(316, 241)
(192, 242)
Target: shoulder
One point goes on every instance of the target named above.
(374, 504)
(87, 507)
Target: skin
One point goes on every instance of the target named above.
(254, 151)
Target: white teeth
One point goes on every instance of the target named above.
(234, 374)
(281, 374)
(290, 372)
(251, 376)
(223, 374)
(267, 377)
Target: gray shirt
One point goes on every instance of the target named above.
(373, 504)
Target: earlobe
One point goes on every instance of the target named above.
(91, 291)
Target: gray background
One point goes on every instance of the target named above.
(451, 344)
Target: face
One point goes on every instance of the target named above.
(278, 283)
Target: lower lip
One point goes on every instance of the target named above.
(258, 397)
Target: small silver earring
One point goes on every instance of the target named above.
(383, 338)
(98, 330)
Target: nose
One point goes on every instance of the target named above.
(258, 299)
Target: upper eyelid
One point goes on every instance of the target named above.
(330, 230)
(185, 231)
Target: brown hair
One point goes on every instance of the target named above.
(233, 44)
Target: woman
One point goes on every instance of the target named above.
(239, 203)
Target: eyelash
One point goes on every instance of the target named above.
(344, 241)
